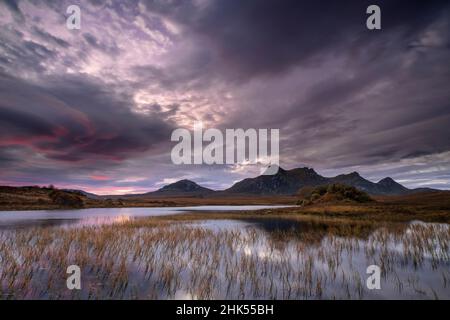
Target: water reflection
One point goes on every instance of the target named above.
(65, 223)
(145, 258)
(98, 221)
(332, 261)
(43, 218)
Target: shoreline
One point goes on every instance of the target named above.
(367, 213)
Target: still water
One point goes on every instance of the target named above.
(125, 254)
(16, 219)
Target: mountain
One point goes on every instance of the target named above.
(181, 188)
(288, 182)
(282, 183)
(355, 180)
(386, 186)
(389, 184)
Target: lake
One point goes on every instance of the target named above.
(126, 253)
(97, 216)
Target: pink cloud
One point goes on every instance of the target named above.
(100, 177)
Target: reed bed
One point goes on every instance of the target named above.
(155, 259)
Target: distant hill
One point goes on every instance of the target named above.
(355, 180)
(387, 186)
(393, 186)
(181, 188)
(34, 197)
(84, 193)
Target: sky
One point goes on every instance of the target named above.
(94, 108)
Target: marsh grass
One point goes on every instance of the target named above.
(171, 258)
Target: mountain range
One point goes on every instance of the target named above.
(285, 182)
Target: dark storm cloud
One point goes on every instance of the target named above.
(259, 37)
(341, 119)
(75, 119)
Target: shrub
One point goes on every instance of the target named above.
(66, 199)
(332, 192)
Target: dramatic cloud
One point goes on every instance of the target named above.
(94, 108)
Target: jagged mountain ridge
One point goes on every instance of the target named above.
(284, 182)
(287, 182)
